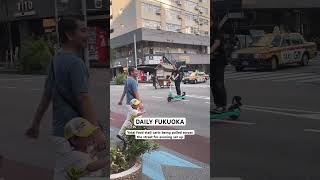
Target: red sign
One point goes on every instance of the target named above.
(101, 44)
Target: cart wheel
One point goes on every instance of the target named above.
(169, 99)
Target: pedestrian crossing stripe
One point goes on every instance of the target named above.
(273, 76)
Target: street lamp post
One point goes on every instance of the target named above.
(135, 50)
(84, 13)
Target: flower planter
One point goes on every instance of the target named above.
(134, 173)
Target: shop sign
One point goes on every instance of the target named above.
(154, 60)
(24, 8)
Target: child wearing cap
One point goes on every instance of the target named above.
(80, 134)
(135, 110)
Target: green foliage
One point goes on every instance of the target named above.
(120, 161)
(74, 173)
(35, 56)
(120, 79)
(112, 55)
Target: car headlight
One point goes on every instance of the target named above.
(234, 55)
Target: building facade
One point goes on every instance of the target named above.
(177, 29)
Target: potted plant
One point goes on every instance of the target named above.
(126, 163)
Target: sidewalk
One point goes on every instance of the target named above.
(5, 70)
(12, 170)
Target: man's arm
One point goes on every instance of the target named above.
(122, 96)
(42, 109)
(86, 108)
(33, 131)
(136, 95)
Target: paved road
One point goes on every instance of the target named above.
(194, 149)
(20, 95)
(277, 136)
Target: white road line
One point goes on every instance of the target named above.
(312, 130)
(18, 79)
(238, 75)
(234, 122)
(311, 80)
(288, 76)
(207, 102)
(256, 75)
(10, 87)
(157, 97)
(270, 111)
(226, 178)
(263, 77)
(284, 113)
(35, 89)
(297, 78)
(283, 109)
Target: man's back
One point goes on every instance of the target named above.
(71, 79)
(131, 87)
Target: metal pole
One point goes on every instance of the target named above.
(57, 26)
(84, 13)
(135, 50)
(10, 45)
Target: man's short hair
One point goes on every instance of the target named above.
(131, 70)
(67, 25)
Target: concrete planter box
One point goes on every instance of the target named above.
(134, 173)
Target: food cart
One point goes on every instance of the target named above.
(163, 73)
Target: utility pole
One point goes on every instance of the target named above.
(57, 24)
(84, 13)
(135, 50)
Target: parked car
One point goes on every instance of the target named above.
(274, 50)
(206, 76)
(194, 77)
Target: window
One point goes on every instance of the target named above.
(190, 5)
(203, 10)
(203, 21)
(150, 24)
(276, 41)
(173, 27)
(189, 17)
(286, 42)
(149, 9)
(172, 15)
(296, 39)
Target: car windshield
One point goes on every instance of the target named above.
(263, 41)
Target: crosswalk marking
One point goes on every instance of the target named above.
(232, 75)
(297, 78)
(261, 76)
(273, 76)
(311, 80)
(286, 76)
(199, 97)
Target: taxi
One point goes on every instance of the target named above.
(194, 77)
(274, 50)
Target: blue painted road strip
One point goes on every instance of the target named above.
(153, 161)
